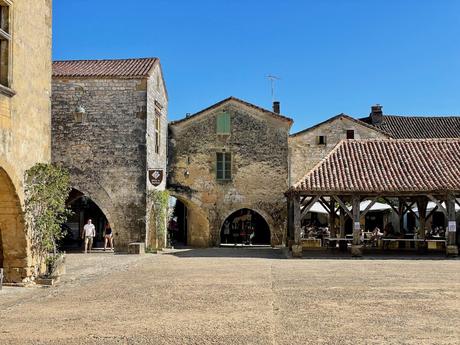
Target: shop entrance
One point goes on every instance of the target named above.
(83, 208)
(245, 227)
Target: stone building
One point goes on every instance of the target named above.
(25, 90)
(109, 128)
(228, 164)
(309, 146)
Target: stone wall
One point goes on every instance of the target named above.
(305, 152)
(107, 152)
(259, 147)
(24, 126)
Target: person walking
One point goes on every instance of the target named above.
(89, 232)
(108, 236)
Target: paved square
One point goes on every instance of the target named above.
(238, 296)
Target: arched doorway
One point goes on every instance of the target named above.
(13, 244)
(177, 226)
(245, 227)
(83, 208)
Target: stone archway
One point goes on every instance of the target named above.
(84, 207)
(14, 256)
(198, 230)
(245, 226)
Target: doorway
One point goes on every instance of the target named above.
(245, 227)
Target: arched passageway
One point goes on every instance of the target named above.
(177, 226)
(246, 227)
(83, 208)
(13, 244)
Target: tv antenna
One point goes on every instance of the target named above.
(273, 79)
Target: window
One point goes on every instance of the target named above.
(223, 123)
(224, 166)
(5, 43)
(321, 140)
(350, 134)
(157, 134)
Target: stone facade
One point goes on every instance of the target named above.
(258, 143)
(305, 150)
(24, 126)
(110, 151)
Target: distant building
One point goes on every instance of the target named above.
(109, 128)
(25, 136)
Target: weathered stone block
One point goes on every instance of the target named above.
(136, 248)
(297, 251)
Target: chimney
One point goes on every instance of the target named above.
(276, 107)
(376, 114)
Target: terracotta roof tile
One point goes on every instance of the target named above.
(419, 127)
(387, 166)
(124, 68)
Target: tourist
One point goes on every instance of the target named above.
(108, 236)
(226, 230)
(89, 232)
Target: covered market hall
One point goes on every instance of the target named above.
(407, 175)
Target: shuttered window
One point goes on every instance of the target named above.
(224, 166)
(223, 123)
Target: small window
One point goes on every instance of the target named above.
(157, 134)
(321, 140)
(223, 123)
(350, 134)
(224, 166)
(5, 43)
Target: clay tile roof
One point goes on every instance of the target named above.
(124, 68)
(419, 127)
(387, 166)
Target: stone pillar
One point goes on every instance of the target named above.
(356, 248)
(297, 246)
(451, 246)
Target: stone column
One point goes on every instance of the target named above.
(451, 246)
(356, 248)
(297, 246)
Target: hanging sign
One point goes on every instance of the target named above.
(156, 176)
(357, 226)
(452, 227)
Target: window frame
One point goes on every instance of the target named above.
(321, 142)
(352, 131)
(157, 130)
(227, 116)
(225, 160)
(6, 36)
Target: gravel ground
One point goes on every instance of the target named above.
(237, 296)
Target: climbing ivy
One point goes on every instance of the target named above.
(159, 200)
(47, 187)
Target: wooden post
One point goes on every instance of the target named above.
(332, 228)
(356, 248)
(297, 246)
(451, 245)
(422, 203)
(342, 244)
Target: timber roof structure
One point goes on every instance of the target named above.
(386, 166)
(229, 99)
(122, 68)
(418, 127)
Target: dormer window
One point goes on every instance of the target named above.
(223, 123)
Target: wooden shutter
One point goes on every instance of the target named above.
(223, 123)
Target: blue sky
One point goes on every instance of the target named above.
(332, 56)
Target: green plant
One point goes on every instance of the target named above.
(46, 189)
(159, 200)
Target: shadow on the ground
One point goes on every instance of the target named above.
(226, 252)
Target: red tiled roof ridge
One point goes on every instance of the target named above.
(232, 98)
(103, 68)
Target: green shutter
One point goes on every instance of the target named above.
(223, 123)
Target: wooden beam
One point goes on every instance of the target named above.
(343, 206)
(391, 205)
(372, 203)
(308, 206)
(325, 204)
(431, 212)
(441, 208)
